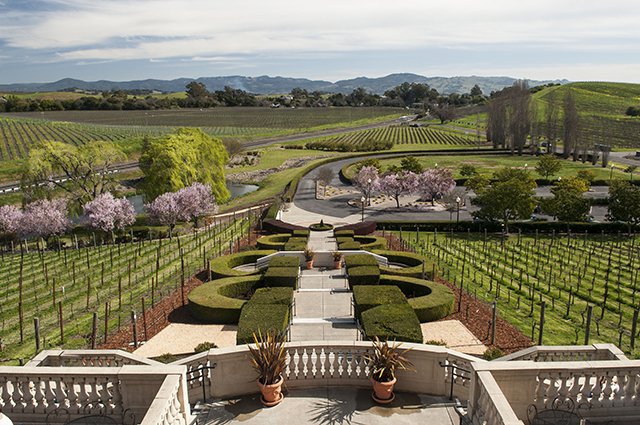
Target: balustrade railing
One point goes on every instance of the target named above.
(569, 353)
(167, 407)
(88, 358)
(489, 406)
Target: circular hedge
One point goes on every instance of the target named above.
(431, 301)
(320, 227)
(216, 302)
(276, 241)
(222, 267)
(413, 264)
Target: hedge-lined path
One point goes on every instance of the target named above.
(323, 307)
(322, 241)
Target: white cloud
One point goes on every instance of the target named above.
(160, 29)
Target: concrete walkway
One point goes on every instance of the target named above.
(332, 406)
(323, 301)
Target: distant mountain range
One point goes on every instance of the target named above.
(279, 85)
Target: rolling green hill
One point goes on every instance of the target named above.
(602, 109)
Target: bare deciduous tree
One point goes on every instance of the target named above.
(551, 121)
(325, 175)
(570, 126)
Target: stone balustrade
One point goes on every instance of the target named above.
(489, 405)
(567, 353)
(316, 364)
(601, 390)
(167, 406)
(30, 394)
(88, 358)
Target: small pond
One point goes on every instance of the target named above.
(236, 189)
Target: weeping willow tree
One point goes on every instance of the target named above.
(181, 159)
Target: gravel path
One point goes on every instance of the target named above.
(181, 338)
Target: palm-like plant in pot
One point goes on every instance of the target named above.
(383, 362)
(308, 257)
(269, 359)
(337, 259)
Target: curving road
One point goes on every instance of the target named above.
(337, 206)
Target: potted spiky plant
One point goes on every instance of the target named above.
(337, 259)
(383, 362)
(269, 359)
(308, 257)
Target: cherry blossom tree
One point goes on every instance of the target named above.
(107, 213)
(165, 210)
(396, 185)
(10, 217)
(44, 218)
(367, 181)
(435, 183)
(195, 201)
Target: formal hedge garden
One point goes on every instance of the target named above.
(412, 264)
(221, 300)
(394, 322)
(268, 309)
(284, 241)
(222, 267)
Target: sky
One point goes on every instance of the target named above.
(47, 40)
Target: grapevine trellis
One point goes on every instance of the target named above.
(72, 284)
(405, 135)
(568, 274)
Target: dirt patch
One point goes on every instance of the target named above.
(259, 175)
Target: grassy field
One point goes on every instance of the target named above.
(569, 273)
(488, 164)
(84, 279)
(602, 109)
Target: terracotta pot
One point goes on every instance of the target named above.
(337, 264)
(383, 391)
(271, 394)
(310, 264)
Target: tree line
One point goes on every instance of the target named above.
(415, 95)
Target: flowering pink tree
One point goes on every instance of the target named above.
(396, 185)
(44, 218)
(10, 217)
(435, 183)
(165, 210)
(195, 201)
(107, 213)
(367, 181)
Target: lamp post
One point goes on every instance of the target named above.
(458, 209)
(362, 201)
(368, 192)
(611, 173)
(525, 167)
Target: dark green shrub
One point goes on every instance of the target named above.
(284, 261)
(492, 353)
(343, 239)
(363, 275)
(296, 244)
(320, 227)
(204, 346)
(279, 226)
(274, 295)
(431, 301)
(222, 267)
(301, 233)
(281, 276)
(276, 242)
(166, 358)
(220, 301)
(371, 242)
(355, 260)
(348, 233)
(394, 322)
(261, 318)
(412, 261)
(361, 228)
(349, 246)
(366, 297)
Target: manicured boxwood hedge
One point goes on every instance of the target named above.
(261, 318)
(371, 242)
(349, 246)
(431, 301)
(295, 243)
(273, 241)
(277, 295)
(494, 227)
(363, 275)
(412, 261)
(343, 239)
(281, 276)
(355, 260)
(284, 261)
(301, 233)
(222, 267)
(344, 232)
(394, 322)
(366, 297)
(214, 302)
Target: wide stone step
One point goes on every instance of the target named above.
(322, 320)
